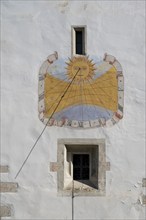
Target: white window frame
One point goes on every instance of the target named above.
(82, 28)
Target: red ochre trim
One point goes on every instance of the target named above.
(49, 61)
(118, 115)
(105, 56)
(112, 62)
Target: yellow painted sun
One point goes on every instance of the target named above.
(80, 69)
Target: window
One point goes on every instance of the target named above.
(81, 167)
(79, 40)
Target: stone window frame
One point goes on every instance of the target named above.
(103, 166)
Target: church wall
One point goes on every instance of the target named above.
(32, 30)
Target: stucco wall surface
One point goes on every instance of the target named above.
(30, 31)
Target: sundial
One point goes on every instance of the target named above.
(81, 92)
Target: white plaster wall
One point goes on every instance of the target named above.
(30, 31)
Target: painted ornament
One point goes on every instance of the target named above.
(81, 92)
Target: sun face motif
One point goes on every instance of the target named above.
(81, 68)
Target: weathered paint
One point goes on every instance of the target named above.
(32, 30)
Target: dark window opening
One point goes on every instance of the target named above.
(81, 166)
(79, 41)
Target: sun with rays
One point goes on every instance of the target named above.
(80, 69)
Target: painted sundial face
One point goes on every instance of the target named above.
(80, 92)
